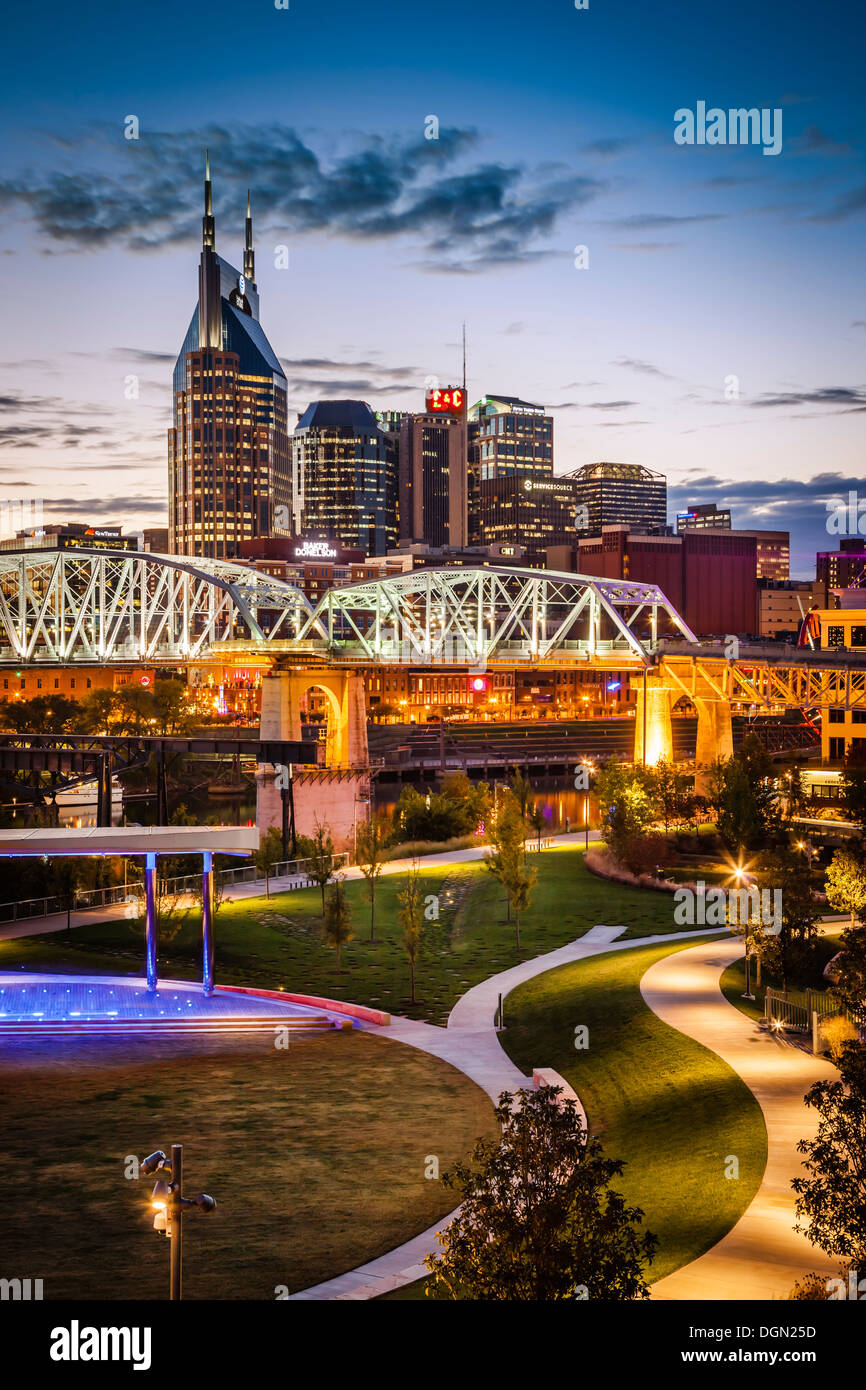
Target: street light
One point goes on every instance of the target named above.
(169, 1206)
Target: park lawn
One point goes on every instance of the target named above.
(316, 1156)
(277, 943)
(671, 1109)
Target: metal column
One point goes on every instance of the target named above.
(207, 922)
(150, 921)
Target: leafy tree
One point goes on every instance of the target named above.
(269, 854)
(854, 784)
(458, 809)
(95, 712)
(790, 951)
(627, 812)
(845, 882)
(370, 842)
(506, 836)
(132, 710)
(670, 788)
(748, 814)
(537, 821)
(831, 1200)
(321, 860)
(170, 708)
(44, 714)
(65, 882)
(538, 1220)
(849, 983)
(337, 919)
(411, 915)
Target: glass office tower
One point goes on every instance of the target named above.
(228, 450)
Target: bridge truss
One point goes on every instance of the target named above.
(103, 606)
(474, 616)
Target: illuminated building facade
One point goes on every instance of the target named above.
(513, 494)
(433, 480)
(614, 494)
(228, 449)
(344, 478)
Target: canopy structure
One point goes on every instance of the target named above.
(146, 842)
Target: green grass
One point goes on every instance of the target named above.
(277, 943)
(315, 1155)
(672, 1110)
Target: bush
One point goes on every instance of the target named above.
(812, 1288)
(837, 1031)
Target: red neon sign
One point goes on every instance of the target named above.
(449, 400)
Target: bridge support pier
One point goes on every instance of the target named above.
(653, 713)
(714, 739)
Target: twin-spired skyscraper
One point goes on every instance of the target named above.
(228, 450)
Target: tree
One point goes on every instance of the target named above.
(170, 708)
(538, 1220)
(538, 821)
(854, 784)
(506, 836)
(66, 880)
(269, 854)
(321, 862)
(845, 882)
(789, 951)
(337, 919)
(44, 714)
(95, 712)
(625, 804)
(849, 981)
(831, 1200)
(748, 813)
(370, 842)
(411, 915)
(669, 792)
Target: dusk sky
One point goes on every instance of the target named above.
(555, 131)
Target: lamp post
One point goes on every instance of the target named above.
(170, 1205)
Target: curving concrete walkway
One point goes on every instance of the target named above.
(470, 1042)
(762, 1257)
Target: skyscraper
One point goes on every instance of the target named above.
(513, 494)
(620, 494)
(228, 450)
(344, 471)
(433, 479)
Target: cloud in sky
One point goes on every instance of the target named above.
(486, 215)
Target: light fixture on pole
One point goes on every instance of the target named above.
(169, 1205)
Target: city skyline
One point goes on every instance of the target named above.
(705, 264)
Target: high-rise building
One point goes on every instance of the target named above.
(620, 494)
(228, 450)
(513, 494)
(344, 477)
(433, 480)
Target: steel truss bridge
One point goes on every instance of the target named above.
(83, 607)
(98, 607)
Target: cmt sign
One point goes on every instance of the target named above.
(450, 400)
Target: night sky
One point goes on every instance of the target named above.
(706, 263)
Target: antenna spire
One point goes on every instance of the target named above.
(208, 229)
(249, 253)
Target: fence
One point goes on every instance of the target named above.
(88, 898)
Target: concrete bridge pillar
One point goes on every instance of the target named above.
(657, 719)
(715, 738)
(335, 800)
